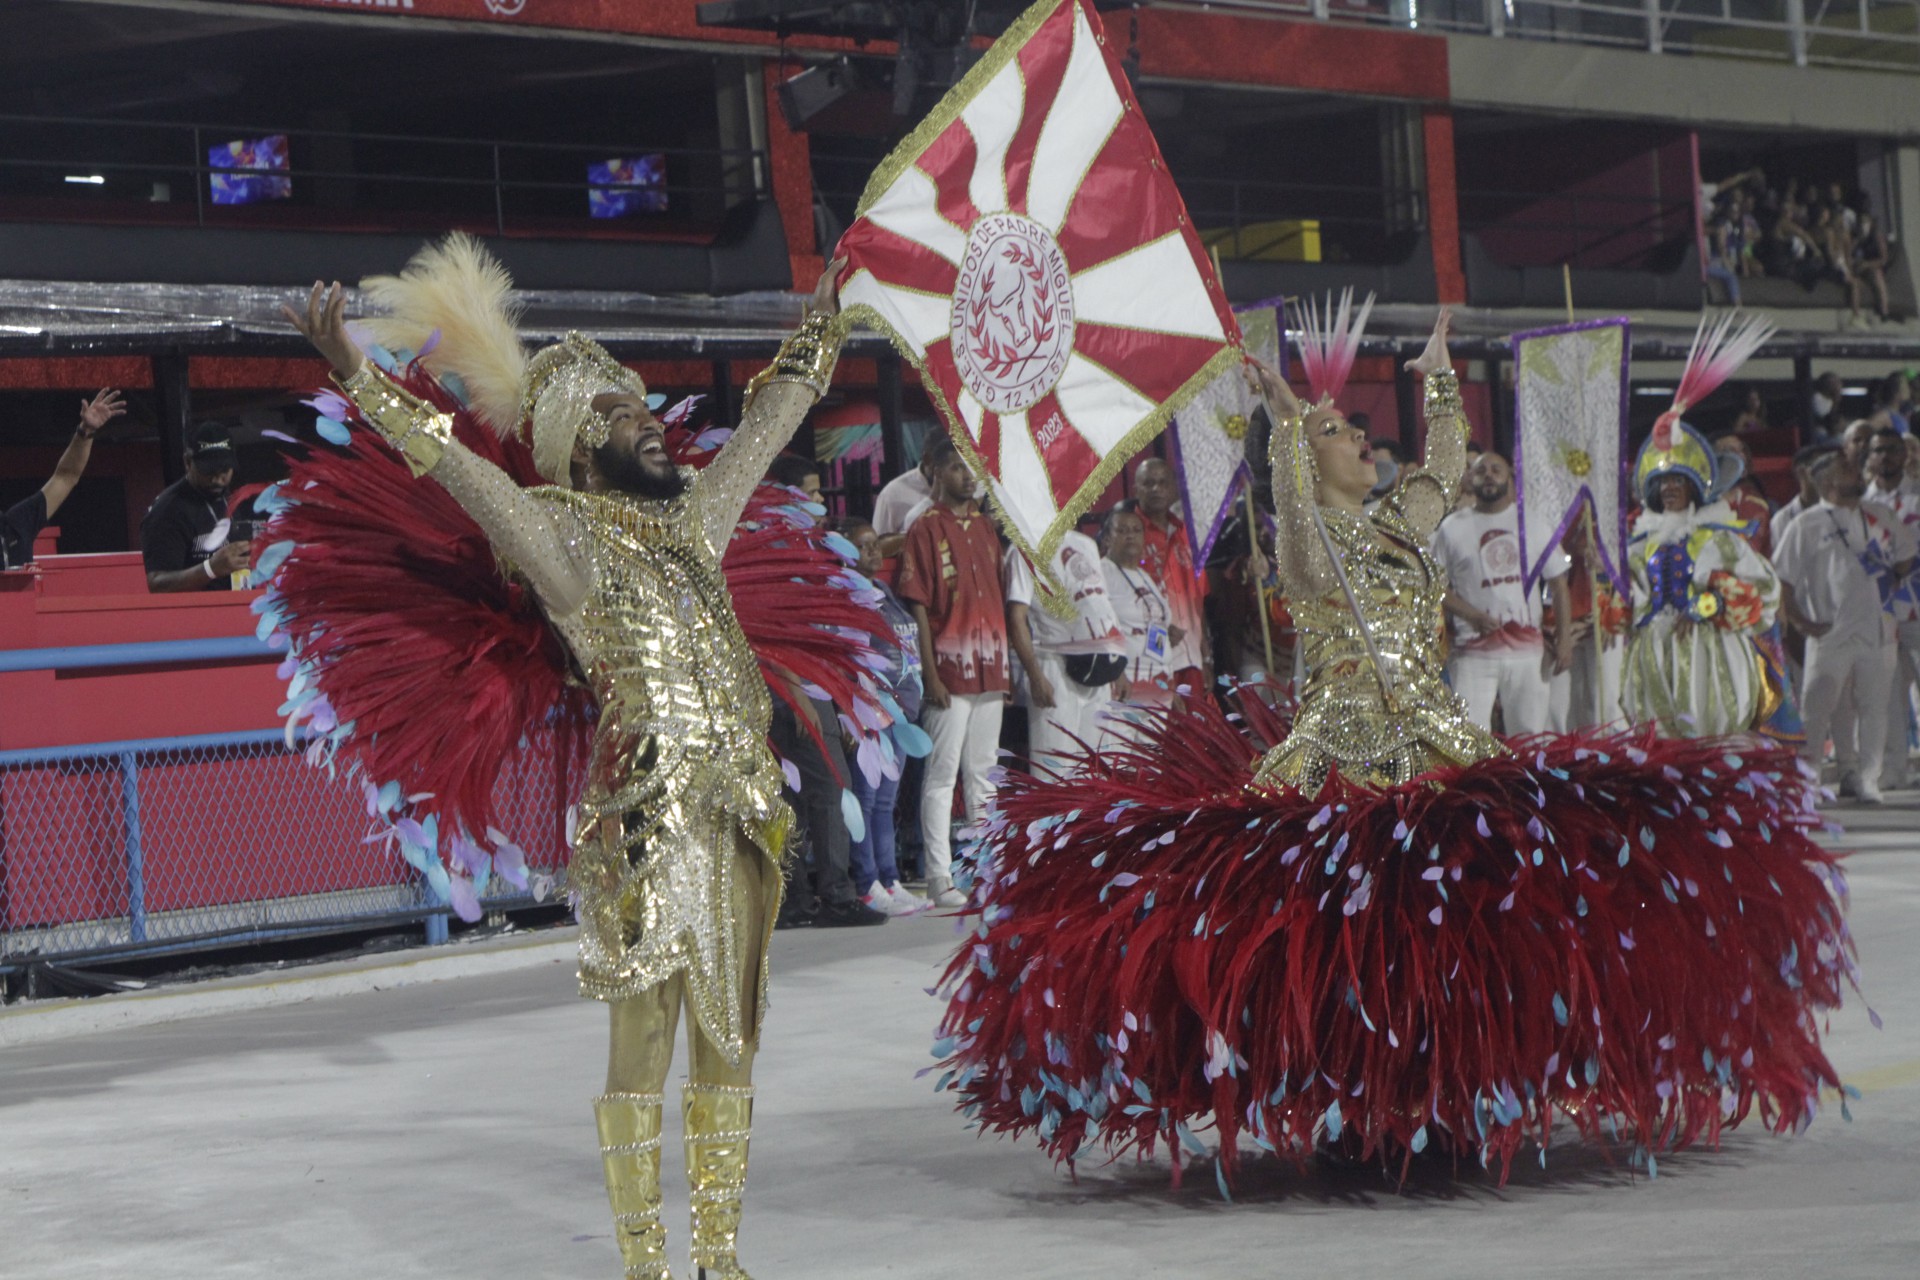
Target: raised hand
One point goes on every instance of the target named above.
(325, 325)
(1268, 382)
(99, 411)
(1435, 357)
(826, 294)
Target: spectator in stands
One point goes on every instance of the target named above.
(1889, 487)
(796, 472)
(1809, 492)
(1169, 558)
(1753, 413)
(1827, 390)
(1835, 562)
(21, 523)
(950, 577)
(1071, 666)
(1836, 257)
(186, 537)
(1498, 644)
(1723, 255)
(1144, 612)
(874, 855)
(1792, 250)
(1870, 259)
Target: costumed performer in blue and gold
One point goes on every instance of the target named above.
(1703, 598)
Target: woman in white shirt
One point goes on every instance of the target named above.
(1145, 617)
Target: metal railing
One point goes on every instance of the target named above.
(164, 845)
(1869, 34)
(342, 177)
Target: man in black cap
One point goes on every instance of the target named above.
(185, 538)
(21, 523)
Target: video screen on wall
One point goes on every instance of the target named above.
(259, 155)
(622, 188)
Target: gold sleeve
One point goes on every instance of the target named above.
(528, 535)
(419, 431)
(777, 400)
(1426, 495)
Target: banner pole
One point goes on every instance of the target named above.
(1566, 284)
(1259, 583)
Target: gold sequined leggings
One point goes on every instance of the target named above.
(640, 1048)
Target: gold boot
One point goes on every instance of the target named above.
(718, 1118)
(630, 1150)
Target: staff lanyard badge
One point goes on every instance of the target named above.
(1156, 640)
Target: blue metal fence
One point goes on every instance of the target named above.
(151, 846)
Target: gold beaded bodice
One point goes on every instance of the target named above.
(1344, 717)
(683, 707)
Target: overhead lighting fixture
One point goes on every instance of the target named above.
(87, 179)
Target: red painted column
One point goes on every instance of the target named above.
(1443, 204)
(791, 160)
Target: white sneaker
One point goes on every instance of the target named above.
(941, 893)
(905, 901)
(1870, 793)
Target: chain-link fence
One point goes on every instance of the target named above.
(141, 848)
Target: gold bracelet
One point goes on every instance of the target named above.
(1443, 394)
(807, 357)
(418, 430)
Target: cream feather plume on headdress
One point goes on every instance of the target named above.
(461, 291)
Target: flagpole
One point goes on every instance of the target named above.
(1259, 585)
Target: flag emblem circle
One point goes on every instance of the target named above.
(1012, 317)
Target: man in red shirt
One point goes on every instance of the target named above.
(1169, 559)
(950, 578)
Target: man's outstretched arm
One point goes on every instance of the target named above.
(777, 402)
(522, 529)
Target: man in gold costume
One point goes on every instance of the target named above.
(679, 835)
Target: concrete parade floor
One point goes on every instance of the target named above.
(442, 1129)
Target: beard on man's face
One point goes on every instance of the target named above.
(624, 471)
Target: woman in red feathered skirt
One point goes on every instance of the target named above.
(1392, 930)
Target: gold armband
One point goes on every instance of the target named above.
(807, 357)
(1443, 395)
(418, 430)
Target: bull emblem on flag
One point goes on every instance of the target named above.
(1026, 250)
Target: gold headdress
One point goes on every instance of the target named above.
(453, 304)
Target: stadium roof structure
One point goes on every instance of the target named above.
(40, 318)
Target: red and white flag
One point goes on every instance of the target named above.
(1026, 249)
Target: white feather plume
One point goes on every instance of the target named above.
(459, 290)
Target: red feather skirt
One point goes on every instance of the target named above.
(1635, 932)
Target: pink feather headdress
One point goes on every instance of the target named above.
(1329, 340)
(1720, 347)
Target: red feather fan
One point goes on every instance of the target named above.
(1634, 932)
(422, 666)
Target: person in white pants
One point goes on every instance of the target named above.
(950, 578)
(1070, 666)
(1833, 565)
(1498, 648)
(1888, 486)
